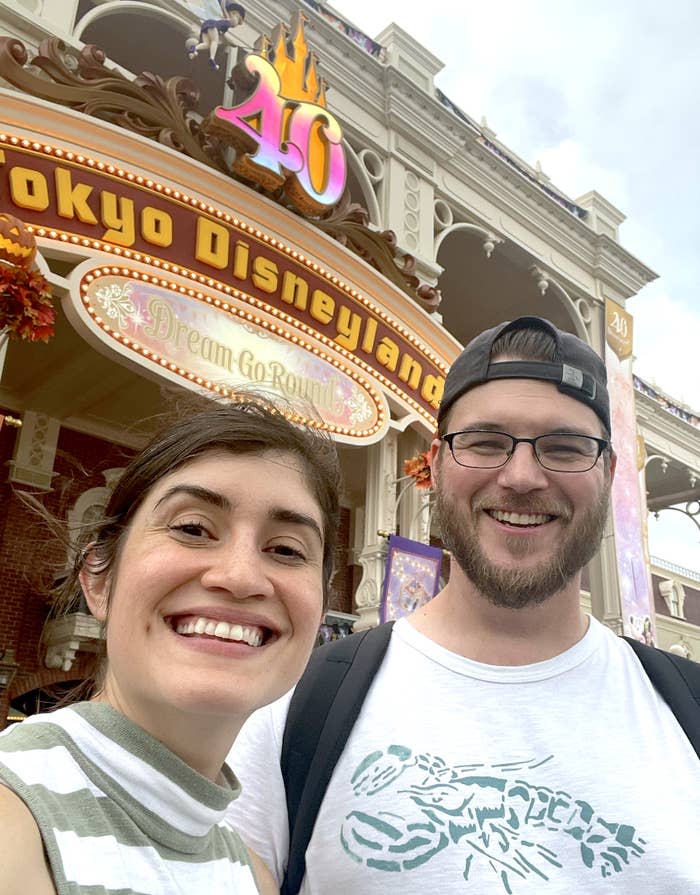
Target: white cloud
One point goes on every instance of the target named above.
(570, 163)
(666, 342)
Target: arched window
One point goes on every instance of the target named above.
(674, 596)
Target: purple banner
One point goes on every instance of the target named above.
(411, 579)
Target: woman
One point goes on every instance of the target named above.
(208, 572)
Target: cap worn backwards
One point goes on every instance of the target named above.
(576, 369)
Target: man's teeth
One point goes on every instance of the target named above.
(222, 630)
(520, 518)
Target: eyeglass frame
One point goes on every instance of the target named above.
(604, 444)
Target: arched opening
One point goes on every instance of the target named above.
(141, 38)
(40, 699)
(364, 172)
(479, 291)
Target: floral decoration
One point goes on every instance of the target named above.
(26, 304)
(419, 468)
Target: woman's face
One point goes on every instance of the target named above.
(215, 597)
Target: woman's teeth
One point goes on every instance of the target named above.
(223, 630)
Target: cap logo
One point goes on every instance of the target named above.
(574, 378)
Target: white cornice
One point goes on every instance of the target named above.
(594, 199)
(668, 434)
(394, 37)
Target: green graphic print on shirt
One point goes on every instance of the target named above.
(489, 812)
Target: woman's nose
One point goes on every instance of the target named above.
(240, 570)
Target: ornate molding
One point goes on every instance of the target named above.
(164, 111)
(161, 110)
(348, 224)
(66, 636)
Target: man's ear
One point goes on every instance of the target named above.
(95, 585)
(613, 465)
(435, 446)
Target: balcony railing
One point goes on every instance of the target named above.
(675, 568)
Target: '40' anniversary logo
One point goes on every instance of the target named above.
(282, 133)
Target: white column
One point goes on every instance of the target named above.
(380, 507)
(413, 502)
(408, 209)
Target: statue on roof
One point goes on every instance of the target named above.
(229, 15)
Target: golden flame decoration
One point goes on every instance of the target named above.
(288, 51)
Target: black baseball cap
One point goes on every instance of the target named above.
(576, 370)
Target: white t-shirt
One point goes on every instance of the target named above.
(565, 776)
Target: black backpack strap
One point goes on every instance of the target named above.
(678, 682)
(321, 715)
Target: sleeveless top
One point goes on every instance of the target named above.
(118, 812)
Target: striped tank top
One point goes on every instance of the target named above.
(118, 812)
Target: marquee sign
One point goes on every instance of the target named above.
(74, 199)
(199, 341)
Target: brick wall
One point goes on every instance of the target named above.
(30, 556)
(342, 583)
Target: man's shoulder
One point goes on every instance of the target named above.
(667, 664)
(347, 647)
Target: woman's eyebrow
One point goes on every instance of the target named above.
(197, 491)
(280, 514)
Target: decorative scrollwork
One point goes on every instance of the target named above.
(348, 224)
(160, 109)
(163, 110)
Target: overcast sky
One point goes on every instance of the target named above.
(605, 95)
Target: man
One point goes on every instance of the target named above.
(509, 743)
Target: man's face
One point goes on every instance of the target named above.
(520, 532)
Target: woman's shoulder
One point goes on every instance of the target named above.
(24, 743)
(23, 867)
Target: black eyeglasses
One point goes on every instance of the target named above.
(556, 451)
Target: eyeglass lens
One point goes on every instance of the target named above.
(559, 453)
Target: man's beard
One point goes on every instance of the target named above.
(515, 588)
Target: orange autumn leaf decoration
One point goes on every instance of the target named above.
(419, 468)
(26, 304)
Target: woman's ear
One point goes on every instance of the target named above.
(95, 585)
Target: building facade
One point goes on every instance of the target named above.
(177, 263)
